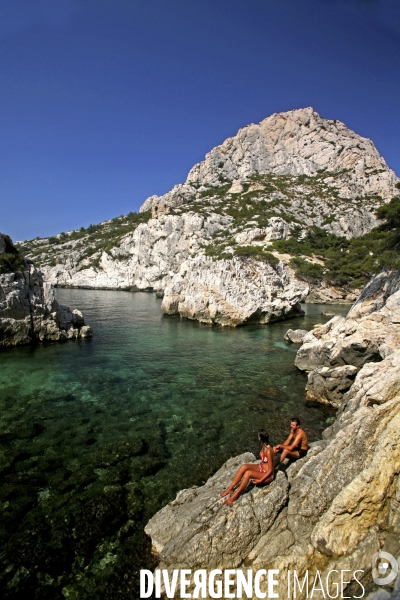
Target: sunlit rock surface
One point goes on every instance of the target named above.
(233, 292)
(293, 171)
(333, 353)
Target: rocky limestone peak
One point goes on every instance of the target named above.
(296, 142)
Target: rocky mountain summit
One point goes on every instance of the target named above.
(271, 183)
(331, 510)
(293, 143)
(29, 312)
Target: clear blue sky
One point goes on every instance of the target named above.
(105, 102)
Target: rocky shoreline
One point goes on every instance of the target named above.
(29, 312)
(333, 509)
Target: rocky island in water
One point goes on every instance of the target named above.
(297, 208)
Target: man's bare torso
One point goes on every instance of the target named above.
(301, 438)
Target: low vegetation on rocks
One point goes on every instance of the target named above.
(257, 253)
(11, 260)
(347, 261)
(88, 242)
(11, 263)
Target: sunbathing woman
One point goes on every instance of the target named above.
(262, 472)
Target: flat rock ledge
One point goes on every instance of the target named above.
(29, 312)
(181, 530)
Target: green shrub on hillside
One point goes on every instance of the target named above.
(306, 270)
(348, 262)
(11, 263)
(95, 238)
(216, 190)
(217, 251)
(390, 213)
(257, 253)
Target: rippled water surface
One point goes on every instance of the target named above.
(97, 435)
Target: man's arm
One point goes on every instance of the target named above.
(284, 445)
(291, 446)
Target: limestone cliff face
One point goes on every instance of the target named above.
(297, 142)
(145, 259)
(29, 312)
(167, 254)
(332, 510)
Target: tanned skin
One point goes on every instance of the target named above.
(297, 437)
(251, 472)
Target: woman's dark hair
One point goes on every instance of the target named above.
(263, 436)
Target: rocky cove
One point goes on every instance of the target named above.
(99, 436)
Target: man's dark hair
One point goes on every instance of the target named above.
(295, 420)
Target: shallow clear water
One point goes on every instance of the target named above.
(96, 435)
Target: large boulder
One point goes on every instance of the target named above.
(233, 292)
(296, 336)
(375, 294)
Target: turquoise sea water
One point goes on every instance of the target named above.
(97, 435)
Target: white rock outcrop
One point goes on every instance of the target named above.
(295, 336)
(147, 258)
(233, 292)
(333, 353)
(29, 312)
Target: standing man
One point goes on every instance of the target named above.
(296, 445)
